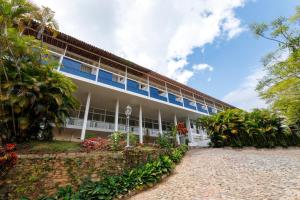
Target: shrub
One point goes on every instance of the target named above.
(163, 141)
(8, 158)
(116, 141)
(95, 144)
(237, 128)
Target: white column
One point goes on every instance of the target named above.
(159, 123)
(177, 135)
(188, 126)
(86, 114)
(141, 125)
(117, 116)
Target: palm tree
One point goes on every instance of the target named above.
(45, 18)
(12, 12)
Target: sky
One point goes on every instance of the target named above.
(205, 44)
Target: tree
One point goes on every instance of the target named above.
(34, 97)
(281, 84)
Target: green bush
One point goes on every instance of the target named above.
(115, 140)
(111, 187)
(237, 128)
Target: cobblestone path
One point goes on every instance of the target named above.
(232, 174)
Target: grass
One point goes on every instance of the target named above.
(48, 147)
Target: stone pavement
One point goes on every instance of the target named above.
(232, 174)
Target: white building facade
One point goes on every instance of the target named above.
(107, 84)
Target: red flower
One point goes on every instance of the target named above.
(10, 147)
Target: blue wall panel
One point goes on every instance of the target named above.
(73, 67)
(134, 86)
(155, 94)
(201, 108)
(106, 77)
(172, 99)
(187, 102)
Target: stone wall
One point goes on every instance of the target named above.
(38, 175)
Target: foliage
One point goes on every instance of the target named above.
(34, 98)
(90, 135)
(114, 186)
(237, 128)
(281, 84)
(133, 139)
(116, 141)
(8, 158)
(95, 144)
(163, 140)
(45, 147)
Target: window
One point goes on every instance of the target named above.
(119, 79)
(179, 99)
(161, 93)
(143, 87)
(86, 69)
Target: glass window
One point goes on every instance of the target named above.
(86, 69)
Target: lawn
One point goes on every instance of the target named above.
(48, 147)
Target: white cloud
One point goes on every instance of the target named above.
(202, 67)
(245, 96)
(156, 34)
(209, 79)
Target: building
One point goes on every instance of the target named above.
(108, 83)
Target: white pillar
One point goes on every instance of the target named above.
(117, 116)
(86, 114)
(159, 123)
(177, 135)
(188, 126)
(141, 125)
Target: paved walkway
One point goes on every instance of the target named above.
(232, 174)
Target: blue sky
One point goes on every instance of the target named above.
(205, 44)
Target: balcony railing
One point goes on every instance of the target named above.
(77, 123)
(75, 67)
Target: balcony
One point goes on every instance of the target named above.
(174, 99)
(111, 79)
(158, 94)
(137, 87)
(189, 104)
(88, 71)
(201, 108)
(76, 68)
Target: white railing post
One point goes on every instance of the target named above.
(148, 85)
(61, 58)
(86, 113)
(126, 75)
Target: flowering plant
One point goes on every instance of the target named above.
(182, 130)
(8, 158)
(95, 144)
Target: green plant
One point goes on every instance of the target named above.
(163, 141)
(133, 139)
(115, 140)
(34, 97)
(237, 128)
